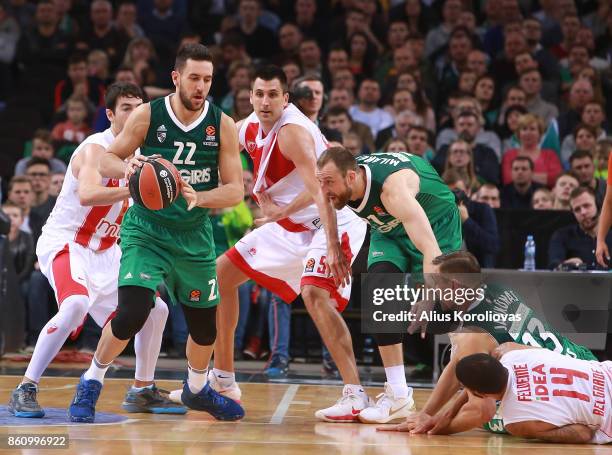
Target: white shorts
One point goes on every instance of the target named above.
(284, 261)
(75, 270)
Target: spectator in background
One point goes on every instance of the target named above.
(338, 118)
(242, 104)
(42, 147)
(478, 62)
(340, 97)
(39, 172)
(260, 41)
(337, 58)
(600, 157)
(395, 145)
(407, 81)
(238, 76)
(438, 37)
(142, 58)
(581, 93)
(292, 70)
(306, 19)
(21, 246)
(418, 142)
(21, 194)
(508, 132)
(23, 11)
(367, 111)
(76, 128)
(542, 199)
(488, 194)
(78, 83)
(403, 122)
(467, 81)
(582, 165)
(57, 180)
(484, 92)
(564, 186)
(98, 66)
(9, 37)
(547, 63)
(103, 34)
(503, 67)
(593, 124)
(546, 162)
(362, 55)
(310, 57)
(574, 245)
(479, 225)
(454, 61)
(289, 39)
(126, 20)
(531, 83)
(344, 79)
(397, 35)
(352, 142)
(461, 160)
(518, 193)
(514, 96)
(570, 25)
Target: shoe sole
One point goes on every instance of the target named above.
(175, 396)
(28, 414)
(133, 408)
(339, 419)
(82, 419)
(401, 413)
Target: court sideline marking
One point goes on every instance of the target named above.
(283, 406)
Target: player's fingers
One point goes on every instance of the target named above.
(398, 427)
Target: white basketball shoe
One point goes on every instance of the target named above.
(232, 392)
(388, 408)
(346, 409)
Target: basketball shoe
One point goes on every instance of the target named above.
(150, 399)
(23, 401)
(83, 406)
(347, 408)
(220, 407)
(388, 408)
(232, 392)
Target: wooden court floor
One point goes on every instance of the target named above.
(279, 421)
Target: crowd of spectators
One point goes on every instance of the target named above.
(506, 98)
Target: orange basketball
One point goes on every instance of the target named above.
(155, 185)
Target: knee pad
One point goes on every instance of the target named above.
(388, 339)
(202, 324)
(134, 306)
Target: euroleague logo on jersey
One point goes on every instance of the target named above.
(211, 136)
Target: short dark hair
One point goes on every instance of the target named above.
(44, 135)
(580, 190)
(341, 157)
(482, 373)
(420, 128)
(452, 176)
(119, 89)
(77, 57)
(197, 52)
(523, 158)
(271, 72)
(38, 160)
(467, 113)
(584, 126)
(457, 262)
(337, 110)
(232, 38)
(579, 154)
(19, 179)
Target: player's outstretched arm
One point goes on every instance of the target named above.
(91, 191)
(399, 198)
(534, 429)
(473, 414)
(112, 164)
(231, 191)
(298, 146)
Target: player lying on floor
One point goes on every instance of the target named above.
(543, 395)
(461, 270)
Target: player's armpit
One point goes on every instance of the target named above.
(112, 164)
(535, 429)
(231, 190)
(90, 189)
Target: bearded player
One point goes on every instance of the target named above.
(79, 255)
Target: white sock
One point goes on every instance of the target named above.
(148, 340)
(396, 377)
(52, 337)
(96, 370)
(224, 378)
(196, 379)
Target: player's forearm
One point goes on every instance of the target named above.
(228, 195)
(90, 194)
(301, 201)
(605, 221)
(569, 434)
(469, 416)
(111, 166)
(328, 219)
(447, 386)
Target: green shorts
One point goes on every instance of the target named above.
(397, 248)
(184, 259)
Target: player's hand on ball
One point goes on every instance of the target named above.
(269, 210)
(337, 265)
(135, 162)
(190, 195)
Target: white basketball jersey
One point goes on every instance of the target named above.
(277, 175)
(95, 227)
(557, 389)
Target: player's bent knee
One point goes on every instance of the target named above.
(76, 308)
(134, 306)
(202, 324)
(315, 297)
(160, 310)
(388, 339)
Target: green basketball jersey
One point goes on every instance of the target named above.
(434, 195)
(193, 149)
(505, 315)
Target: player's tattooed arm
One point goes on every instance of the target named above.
(90, 190)
(534, 429)
(399, 198)
(231, 190)
(113, 164)
(297, 145)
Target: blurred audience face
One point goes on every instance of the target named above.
(513, 121)
(524, 62)
(467, 127)
(533, 31)
(542, 199)
(563, 187)
(514, 44)
(292, 71)
(516, 96)
(46, 15)
(584, 169)
(521, 173)
(403, 59)
(249, 11)
(126, 14)
(352, 143)
(578, 58)
(57, 180)
(459, 155)
(369, 93)
(101, 13)
(344, 79)
(15, 214)
(451, 11)
(306, 10)
(477, 62)
(397, 34)
(340, 97)
(42, 149)
(569, 27)
(289, 37)
(340, 122)
(337, 59)
(580, 94)
(531, 83)
(484, 90)
(242, 103)
(312, 106)
(593, 115)
(488, 195)
(22, 194)
(77, 72)
(310, 54)
(396, 146)
(529, 136)
(406, 81)
(467, 79)
(76, 112)
(40, 177)
(417, 142)
(459, 47)
(402, 100)
(403, 121)
(162, 5)
(585, 140)
(584, 209)
(358, 46)
(126, 75)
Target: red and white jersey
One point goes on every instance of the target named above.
(549, 387)
(95, 227)
(276, 175)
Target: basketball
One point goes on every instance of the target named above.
(156, 184)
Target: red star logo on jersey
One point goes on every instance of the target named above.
(251, 146)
